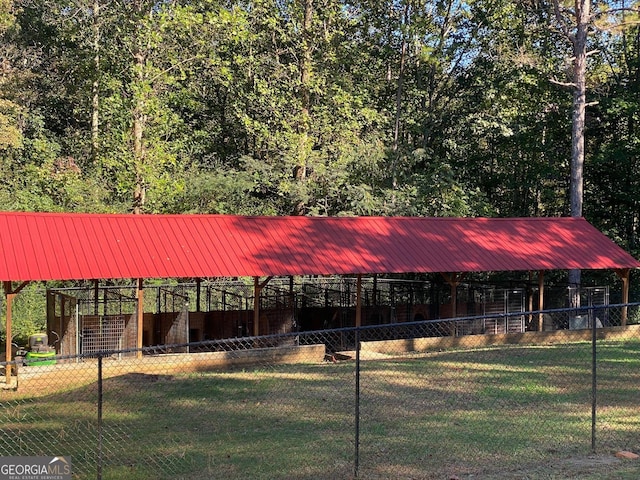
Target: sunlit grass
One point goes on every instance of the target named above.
(486, 412)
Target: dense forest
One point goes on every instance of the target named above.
(320, 107)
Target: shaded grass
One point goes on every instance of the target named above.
(489, 413)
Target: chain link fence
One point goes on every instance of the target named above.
(407, 400)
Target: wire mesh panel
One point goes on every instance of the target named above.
(597, 297)
(502, 303)
(515, 302)
(101, 333)
(173, 318)
(92, 319)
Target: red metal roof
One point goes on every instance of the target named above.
(64, 246)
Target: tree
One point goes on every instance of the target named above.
(614, 193)
(504, 118)
(302, 109)
(576, 21)
(156, 54)
(10, 131)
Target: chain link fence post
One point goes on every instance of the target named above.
(100, 397)
(594, 386)
(357, 407)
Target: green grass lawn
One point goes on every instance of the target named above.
(511, 412)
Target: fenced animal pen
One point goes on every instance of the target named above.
(101, 318)
(264, 248)
(96, 318)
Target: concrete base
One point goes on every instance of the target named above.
(70, 373)
(526, 338)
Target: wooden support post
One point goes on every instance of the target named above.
(540, 300)
(198, 283)
(9, 294)
(96, 297)
(624, 276)
(359, 301)
(140, 318)
(257, 288)
(453, 279)
(530, 300)
(62, 322)
(256, 306)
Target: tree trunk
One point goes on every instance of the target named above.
(579, 113)
(579, 108)
(139, 120)
(399, 93)
(95, 86)
(305, 93)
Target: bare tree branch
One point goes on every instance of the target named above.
(612, 11)
(562, 84)
(615, 25)
(560, 18)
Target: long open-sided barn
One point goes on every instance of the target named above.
(68, 246)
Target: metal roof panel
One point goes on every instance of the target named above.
(64, 246)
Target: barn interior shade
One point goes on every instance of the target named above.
(68, 246)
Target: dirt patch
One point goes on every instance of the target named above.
(573, 468)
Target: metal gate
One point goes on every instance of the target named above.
(101, 333)
(591, 298)
(172, 306)
(508, 301)
(105, 320)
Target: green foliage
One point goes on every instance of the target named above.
(216, 192)
(6, 15)
(367, 108)
(29, 314)
(10, 134)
